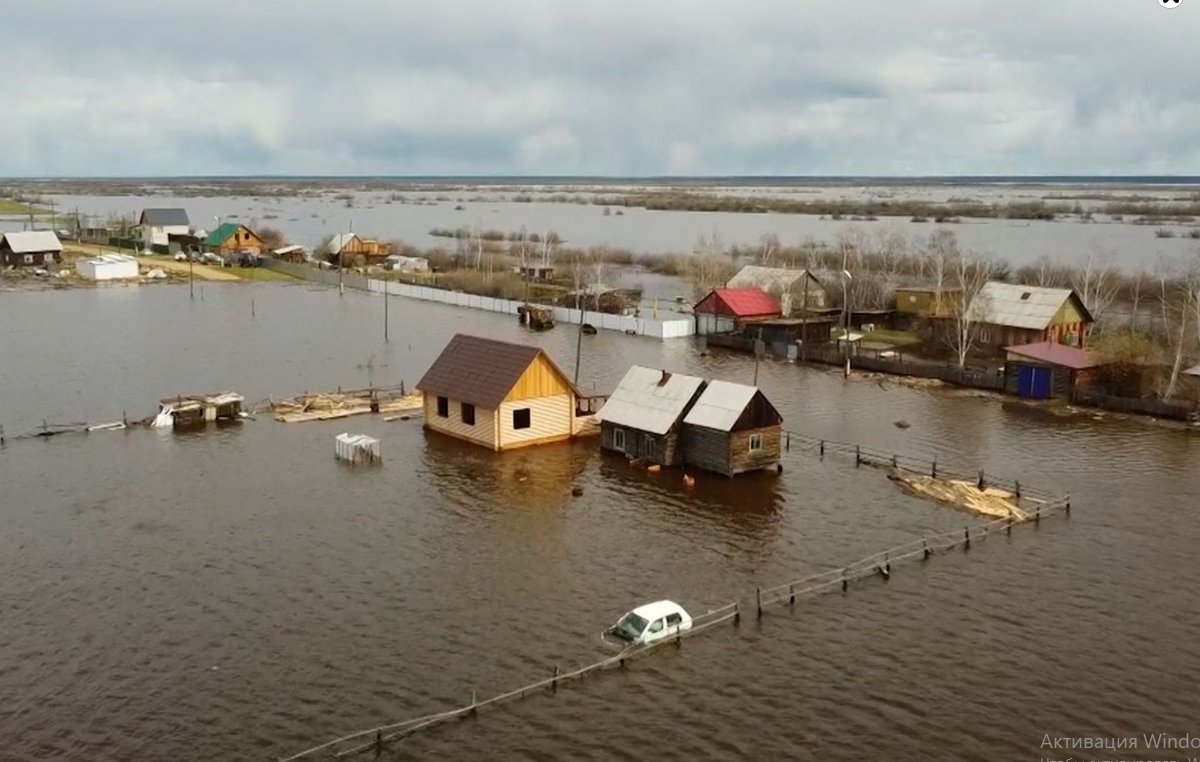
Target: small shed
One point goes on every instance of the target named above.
(732, 429)
(31, 248)
(642, 417)
(725, 310)
(401, 263)
(357, 448)
(296, 254)
(108, 267)
(1047, 369)
(197, 411)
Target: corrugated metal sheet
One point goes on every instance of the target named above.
(739, 302)
(720, 406)
(771, 279)
(163, 218)
(32, 241)
(1016, 306)
(639, 402)
(1055, 354)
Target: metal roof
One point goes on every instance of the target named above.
(224, 232)
(771, 279)
(164, 217)
(1056, 354)
(339, 241)
(480, 371)
(739, 302)
(1017, 306)
(32, 241)
(1193, 371)
(641, 401)
(720, 406)
(289, 249)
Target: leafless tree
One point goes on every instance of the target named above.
(769, 242)
(1179, 299)
(1045, 273)
(550, 243)
(969, 308)
(941, 255)
(708, 271)
(1097, 281)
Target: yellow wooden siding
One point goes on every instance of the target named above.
(540, 379)
(483, 432)
(550, 420)
(1067, 314)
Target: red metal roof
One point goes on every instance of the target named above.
(1056, 354)
(739, 302)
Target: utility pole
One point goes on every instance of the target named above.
(342, 261)
(191, 272)
(758, 350)
(578, 343)
(385, 311)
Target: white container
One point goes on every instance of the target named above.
(357, 448)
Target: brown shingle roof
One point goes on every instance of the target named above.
(477, 371)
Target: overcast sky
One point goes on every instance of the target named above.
(618, 87)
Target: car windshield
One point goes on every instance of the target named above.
(631, 626)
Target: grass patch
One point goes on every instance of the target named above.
(9, 207)
(885, 336)
(260, 273)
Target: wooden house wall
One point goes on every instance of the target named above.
(482, 433)
(540, 379)
(551, 419)
(35, 258)
(243, 239)
(741, 459)
(658, 449)
(708, 449)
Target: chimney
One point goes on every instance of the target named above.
(666, 376)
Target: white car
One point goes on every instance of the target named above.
(651, 623)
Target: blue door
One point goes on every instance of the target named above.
(1033, 382)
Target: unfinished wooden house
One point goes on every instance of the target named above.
(732, 429)
(642, 417)
(499, 395)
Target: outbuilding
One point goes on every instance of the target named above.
(108, 267)
(732, 429)
(642, 417)
(1047, 369)
(30, 248)
(725, 310)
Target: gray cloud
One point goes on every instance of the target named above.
(622, 87)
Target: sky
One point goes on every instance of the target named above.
(613, 88)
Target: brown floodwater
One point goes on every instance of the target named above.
(238, 594)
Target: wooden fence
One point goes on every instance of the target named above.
(1044, 505)
(1157, 408)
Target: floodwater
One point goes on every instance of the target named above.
(307, 220)
(238, 594)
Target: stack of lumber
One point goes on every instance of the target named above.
(328, 406)
(989, 501)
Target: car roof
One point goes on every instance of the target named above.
(658, 610)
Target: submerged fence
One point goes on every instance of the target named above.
(1039, 505)
(659, 328)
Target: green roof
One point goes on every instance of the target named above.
(222, 233)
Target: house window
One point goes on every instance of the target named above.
(648, 445)
(985, 335)
(443, 407)
(468, 414)
(28, 259)
(756, 443)
(521, 419)
(619, 439)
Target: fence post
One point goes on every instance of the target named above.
(1018, 489)
(933, 471)
(981, 483)
(1068, 503)
(1008, 526)
(857, 456)
(928, 552)
(378, 742)
(554, 680)
(737, 613)
(845, 582)
(474, 701)
(787, 442)
(894, 461)
(967, 534)
(758, 599)
(822, 449)
(791, 595)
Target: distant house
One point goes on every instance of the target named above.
(536, 273)
(643, 416)
(158, 225)
(498, 395)
(725, 310)
(295, 254)
(1048, 369)
(400, 263)
(347, 247)
(916, 302)
(32, 248)
(786, 286)
(1013, 314)
(230, 239)
(732, 429)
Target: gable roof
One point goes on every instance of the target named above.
(739, 302)
(480, 371)
(721, 405)
(770, 279)
(163, 217)
(1057, 354)
(32, 241)
(224, 232)
(1017, 306)
(339, 241)
(641, 401)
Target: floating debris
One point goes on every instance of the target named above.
(329, 406)
(962, 494)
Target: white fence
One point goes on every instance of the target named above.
(659, 328)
